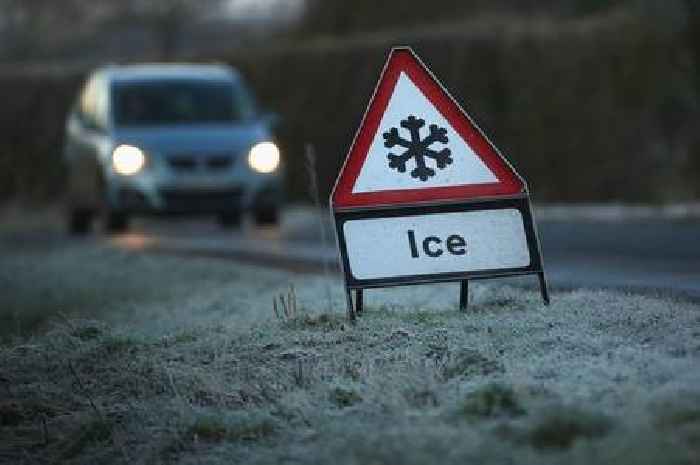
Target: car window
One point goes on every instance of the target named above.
(180, 101)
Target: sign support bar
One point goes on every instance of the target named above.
(543, 287)
(359, 301)
(351, 307)
(463, 295)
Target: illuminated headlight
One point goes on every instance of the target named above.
(128, 160)
(264, 157)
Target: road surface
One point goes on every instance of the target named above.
(642, 254)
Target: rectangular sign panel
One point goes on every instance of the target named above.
(430, 244)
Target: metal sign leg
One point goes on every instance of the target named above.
(463, 295)
(359, 304)
(351, 310)
(543, 288)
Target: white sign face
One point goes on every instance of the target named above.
(436, 243)
(463, 168)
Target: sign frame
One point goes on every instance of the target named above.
(520, 201)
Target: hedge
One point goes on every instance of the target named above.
(587, 110)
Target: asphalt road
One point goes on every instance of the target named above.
(642, 255)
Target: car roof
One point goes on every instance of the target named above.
(157, 71)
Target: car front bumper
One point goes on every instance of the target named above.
(152, 194)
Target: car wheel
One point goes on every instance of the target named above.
(266, 216)
(230, 219)
(116, 221)
(80, 221)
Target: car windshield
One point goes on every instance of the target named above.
(166, 102)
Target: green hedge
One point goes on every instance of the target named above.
(586, 111)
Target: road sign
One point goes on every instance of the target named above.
(424, 196)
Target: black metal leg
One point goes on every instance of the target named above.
(351, 310)
(543, 288)
(359, 304)
(463, 295)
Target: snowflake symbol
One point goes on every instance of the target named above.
(417, 148)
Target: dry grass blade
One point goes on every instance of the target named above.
(284, 305)
(314, 191)
(275, 309)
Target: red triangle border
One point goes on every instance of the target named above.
(402, 59)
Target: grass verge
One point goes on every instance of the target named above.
(206, 372)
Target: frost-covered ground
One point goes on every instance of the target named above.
(113, 357)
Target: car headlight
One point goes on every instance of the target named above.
(128, 160)
(264, 157)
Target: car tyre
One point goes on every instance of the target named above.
(116, 221)
(266, 216)
(80, 221)
(229, 219)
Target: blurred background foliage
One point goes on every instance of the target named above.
(341, 18)
(592, 100)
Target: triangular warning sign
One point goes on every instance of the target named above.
(416, 145)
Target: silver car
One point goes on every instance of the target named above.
(169, 139)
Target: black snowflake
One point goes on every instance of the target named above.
(417, 148)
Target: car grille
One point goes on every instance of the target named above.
(185, 163)
(204, 201)
(218, 162)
